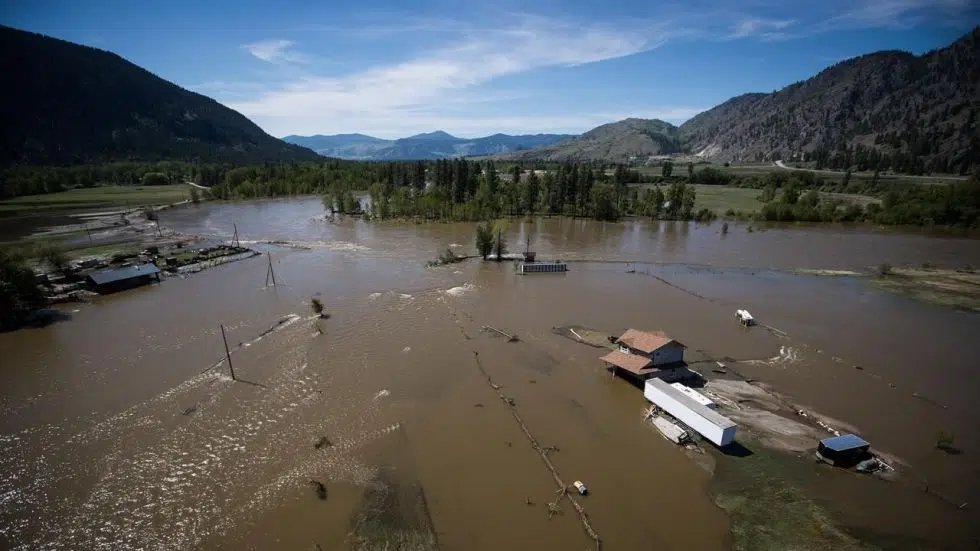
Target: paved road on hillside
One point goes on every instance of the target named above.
(780, 164)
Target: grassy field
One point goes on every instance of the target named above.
(762, 169)
(721, 198)
(96, 198)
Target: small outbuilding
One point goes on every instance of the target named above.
(845, 450)
(110, 281)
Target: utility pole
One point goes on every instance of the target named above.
(270, 272)
(227, 353)
(234, 239)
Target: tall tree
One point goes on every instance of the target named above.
(530, 198)
(667, 169)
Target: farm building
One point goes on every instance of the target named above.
(653, 345)
(119, 279)
(715, 427)
(643, 355)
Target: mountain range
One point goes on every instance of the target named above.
(70, 104)
(432, 145)
(73, 104)
(922, 108)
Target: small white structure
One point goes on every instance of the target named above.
(715, 427)
(744, 317)
(670, 430)
(695, 395)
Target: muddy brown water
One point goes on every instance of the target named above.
(115, 434)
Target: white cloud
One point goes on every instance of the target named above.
(399, 92)
(276, 51)
(764, 28)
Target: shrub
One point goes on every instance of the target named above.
(317, 306)
(724, 228)
(884, 269)
(944, 440)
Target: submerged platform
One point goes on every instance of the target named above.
(541, 267)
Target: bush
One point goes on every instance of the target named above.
(195, 196)
(151, 214)
(724, 228)
(54, 257)
(884, 269)
(317, 306)
(944, 440)
(705, 215)
(19, 293)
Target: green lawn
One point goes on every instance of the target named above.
(99, 198)
(722, 198)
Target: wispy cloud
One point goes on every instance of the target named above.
(763, 28)
(893, 14)
(414, 89)
(276, 51)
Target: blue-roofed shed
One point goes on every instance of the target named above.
(843, 450)
(110, 281)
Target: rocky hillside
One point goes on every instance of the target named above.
(918, 113)
(70, 104)
(629, 139)
(433, 145)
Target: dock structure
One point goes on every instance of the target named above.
(713, 426)
(541, 267)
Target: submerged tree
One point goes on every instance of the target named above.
(484, 240)
(317, 306)
(499, 244)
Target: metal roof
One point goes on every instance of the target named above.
(630, 362)
(709, 414)
(844, 442)
(111, 276)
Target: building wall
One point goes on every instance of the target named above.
(668, 355)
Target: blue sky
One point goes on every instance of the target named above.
(392, 69)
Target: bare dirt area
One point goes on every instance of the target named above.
(956, 288)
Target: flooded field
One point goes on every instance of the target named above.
(122, 429)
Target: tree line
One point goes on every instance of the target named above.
(461, 189)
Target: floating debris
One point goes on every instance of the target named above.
(323, 442)
(189, 410)
(319, 488)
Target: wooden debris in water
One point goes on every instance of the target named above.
(323, 442)
(319, 488)
(553, 507)
(510, 338)
(190, 410)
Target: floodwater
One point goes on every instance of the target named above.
(120, 431)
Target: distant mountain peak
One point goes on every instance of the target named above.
(437, 135)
